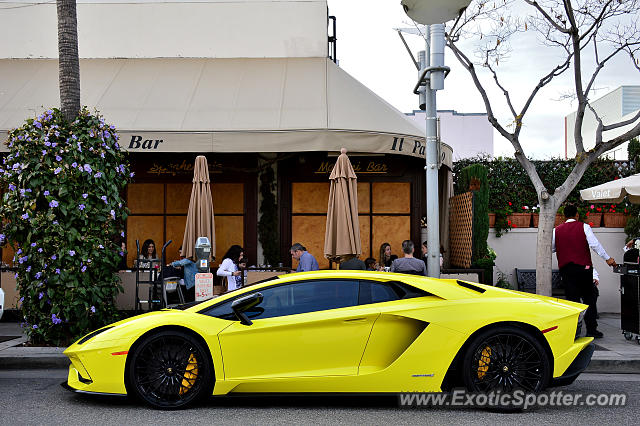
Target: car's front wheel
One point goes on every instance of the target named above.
(506, 359)
(170, 369)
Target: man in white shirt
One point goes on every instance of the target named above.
(571, 243)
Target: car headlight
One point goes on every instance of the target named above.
(579, 325)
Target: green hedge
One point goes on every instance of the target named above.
(475, 177)
(509, 183)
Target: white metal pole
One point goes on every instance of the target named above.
(435, 58)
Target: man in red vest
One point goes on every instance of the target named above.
(571, 243)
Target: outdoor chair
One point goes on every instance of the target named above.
(526, 279)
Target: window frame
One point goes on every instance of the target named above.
(411, 292)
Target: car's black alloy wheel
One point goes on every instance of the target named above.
(170, 369)
(506, 359)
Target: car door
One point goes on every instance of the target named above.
(308, 328)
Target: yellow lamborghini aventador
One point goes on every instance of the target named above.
(338, 332)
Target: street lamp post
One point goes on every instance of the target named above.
(433, 13)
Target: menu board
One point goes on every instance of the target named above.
(204, 286)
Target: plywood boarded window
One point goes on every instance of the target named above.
(384, 213)
(159, 211)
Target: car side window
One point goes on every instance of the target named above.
(377, 292)
(296, 298)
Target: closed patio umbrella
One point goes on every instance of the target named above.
(342, 236)
(614, 191)
(200, 221)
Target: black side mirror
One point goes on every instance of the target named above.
(239, 306)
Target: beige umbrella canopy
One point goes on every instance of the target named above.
(614, 191)
(342, 236)
(200, 216)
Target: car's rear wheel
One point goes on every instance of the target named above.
(170, 370)
(506, 359)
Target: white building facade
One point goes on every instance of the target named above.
(618, 105)
(469, 134)
(243, 82)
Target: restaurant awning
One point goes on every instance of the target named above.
(220, 105)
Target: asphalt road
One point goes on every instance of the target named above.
(35, 397)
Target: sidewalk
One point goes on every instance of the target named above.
(613, 353)
(18, 357)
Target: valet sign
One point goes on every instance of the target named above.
(204, 286)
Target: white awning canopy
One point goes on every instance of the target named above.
(220, 105)
(614, 191)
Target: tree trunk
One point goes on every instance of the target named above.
(543, 249)
(69, 63)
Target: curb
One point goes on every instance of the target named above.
(27, 362)
(614, 366)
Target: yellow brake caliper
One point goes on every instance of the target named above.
(190, 374)
(483, 363)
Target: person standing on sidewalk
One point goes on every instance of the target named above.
(306, 261)
(571, 243)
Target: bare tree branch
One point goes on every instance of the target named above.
(468, 65)
(543, 82)
(600, 127)
(547, 17)
(597, 20)
(519, 152)
(618, 140)
(504, 91)
(577, 76)
(622, 123)
(570, 26)
(599, 67)
(568, 8)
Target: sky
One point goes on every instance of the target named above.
(370, 50)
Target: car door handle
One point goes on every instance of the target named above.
(352, 320)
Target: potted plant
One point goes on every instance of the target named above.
(492, 220)
(522, 218)
(614, 216)
(503, 223)
(592, 215)
(502, 281)
(487, 263)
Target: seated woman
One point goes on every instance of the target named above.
(386, 258)
(229, 267)
(147, 254)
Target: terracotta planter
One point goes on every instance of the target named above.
(520, 220)
(615, 220)
(594, 219)
(536, 219)
(559, 220)
(492, 220)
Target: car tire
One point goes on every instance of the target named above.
(505, 359)
(170, 370)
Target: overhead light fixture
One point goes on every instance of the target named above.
(434, 11)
